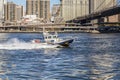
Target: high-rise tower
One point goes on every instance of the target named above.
(41, 8)
(74, 8)
(2, 2)
(12, 12)
(91, 6)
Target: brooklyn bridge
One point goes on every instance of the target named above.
(97, 15)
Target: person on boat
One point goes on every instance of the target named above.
(37, 41)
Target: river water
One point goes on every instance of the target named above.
(90, 57)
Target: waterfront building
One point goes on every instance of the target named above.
(71, 9)
(2, 2)
(19, 12)
(41, 8)
(91, 6)
(12, 12)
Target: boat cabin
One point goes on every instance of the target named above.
(49, 38)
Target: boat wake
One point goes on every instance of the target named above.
(16, 44)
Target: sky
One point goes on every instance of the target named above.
(23, 2)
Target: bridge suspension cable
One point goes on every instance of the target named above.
(99, 6)
(106, 6)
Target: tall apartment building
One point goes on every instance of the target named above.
(91, 6)
(74, 8)
(2, 2)
(9, 11)
(19, 12)
(41, 8)
(12, 12)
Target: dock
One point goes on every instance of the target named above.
(48, 27)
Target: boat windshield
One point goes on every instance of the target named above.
(49, 37)
(54, 36)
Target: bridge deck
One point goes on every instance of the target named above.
(96, 15)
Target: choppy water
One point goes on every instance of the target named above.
(90, 57)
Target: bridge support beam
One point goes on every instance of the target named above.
(106, 19)
(99, 20)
